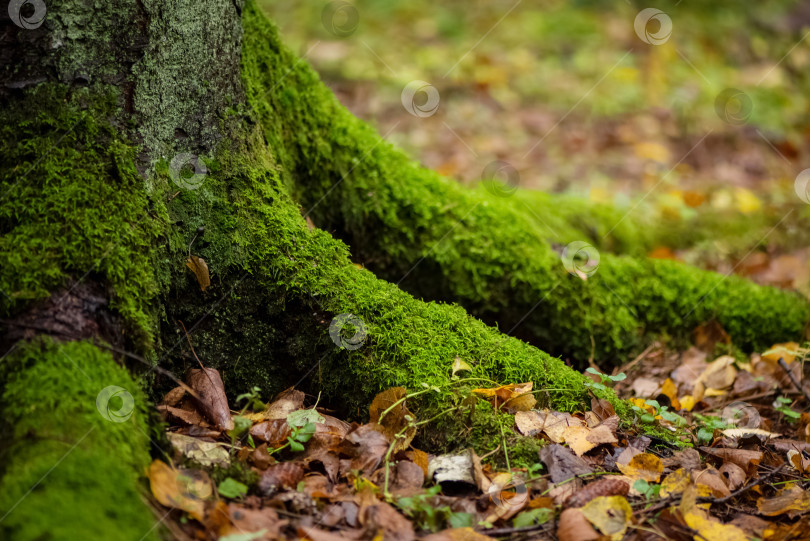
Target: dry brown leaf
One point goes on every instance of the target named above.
(573, 526)
(562, 463)
(791, 500)
(285, 403)
(200, 269)
(746, 459)
(188, 415)
(734, 475)
(644, 466)
(798, 461)
(174, 396)
(273, 432)
(249, 520)
(603, 487)
(183, 489)
(366, 446)
(514, 397)
(211, 399)
(281, 475)
(458, 534)
(392, 419)
(383, 520)
(713, 482)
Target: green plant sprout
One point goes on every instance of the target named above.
(603, 384)
(782, 405)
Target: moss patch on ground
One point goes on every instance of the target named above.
(491, 254)
(68, 472)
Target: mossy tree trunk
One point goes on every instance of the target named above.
(127, 126)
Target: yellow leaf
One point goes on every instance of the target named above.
(200, 269)
(675, 483)
(747, 201)
(515, 396)
(643, 466)
(687, 402)
(459, 364)
(671, 391)
(652, 151)
(610, 515)
(180, 489)
(787, 351)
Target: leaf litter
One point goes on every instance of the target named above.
(735, 468)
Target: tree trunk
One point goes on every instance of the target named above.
(138, 134)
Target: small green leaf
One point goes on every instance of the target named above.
(532, 517)
(302, 417)
(295, 446)
(231, 488)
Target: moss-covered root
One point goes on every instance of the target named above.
(442, 241)
(67, 471)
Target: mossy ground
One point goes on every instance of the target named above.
(493, 255)
(67, 472)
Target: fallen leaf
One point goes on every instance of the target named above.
(514, 397)
(203, 452)
(644, 466)
(366, 446)
(706, 527)
(211, 396)
(602, 487)
(281, 475)
(458, 534)
(562, 463)
(573, 526)
(610, 515)
(734, 475)
(200, 269)
(712, 481)
(284, 404)
(670, 390)
(460, 364)
(182, 489)
(273, 432)
(388, 411)
(791, 500)
(382, 519)
(675, 483)
(746, 459)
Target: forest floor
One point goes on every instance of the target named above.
(288, 469)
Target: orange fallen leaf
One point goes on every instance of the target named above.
(183, 489)
(200, 269)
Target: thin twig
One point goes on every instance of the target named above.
(191, 346)
(793, 379)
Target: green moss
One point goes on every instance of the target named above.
(67, 472)
(72, 206)
(490, 254)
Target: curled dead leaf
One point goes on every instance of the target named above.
(200, 269)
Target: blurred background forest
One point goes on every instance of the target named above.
(703, 134)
